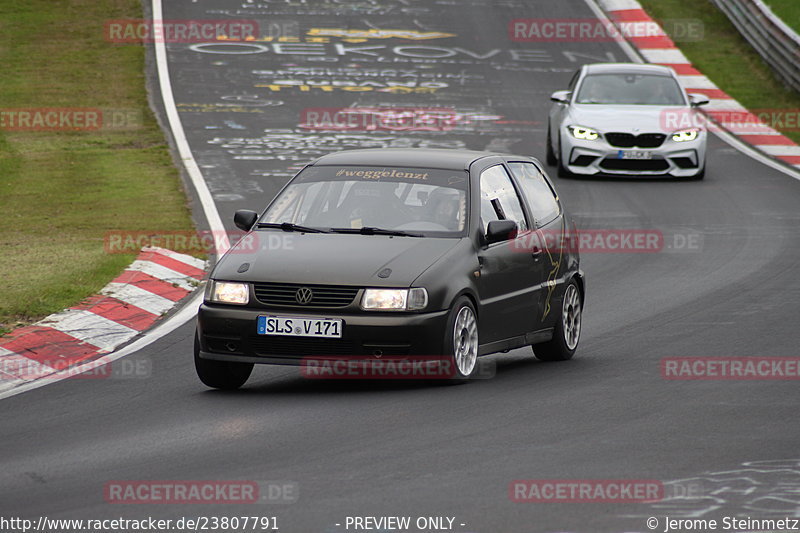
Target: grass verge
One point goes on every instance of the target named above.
(788, 11)
(61, 192)
(727, 59)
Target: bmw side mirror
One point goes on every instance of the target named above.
(500, 230)
(561, 97)
(696, 100)
(244, 219)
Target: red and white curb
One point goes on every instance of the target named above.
(658, 48)
(151, 286)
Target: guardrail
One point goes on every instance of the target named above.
(776, 42)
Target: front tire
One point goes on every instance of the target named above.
(461, 340)
(561, 169)
(220, 374)
(568, 328)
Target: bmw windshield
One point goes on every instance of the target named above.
(421, 202)
(630, 89)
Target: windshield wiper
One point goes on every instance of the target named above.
(288, 226)
(370, 230)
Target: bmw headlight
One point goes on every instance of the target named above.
(685, 135)
(227, 292)
(394, 299)
(581, 132)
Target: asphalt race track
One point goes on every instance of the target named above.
(725, 284)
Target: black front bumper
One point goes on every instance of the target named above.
(228, 333)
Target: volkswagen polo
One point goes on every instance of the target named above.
(439, 254)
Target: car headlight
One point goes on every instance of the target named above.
(394, 299)
(581, 132)
(685, 135)
(227, 292)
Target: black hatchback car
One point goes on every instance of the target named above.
(440, 254)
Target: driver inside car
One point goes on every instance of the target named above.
(443, 208)
(373, 204)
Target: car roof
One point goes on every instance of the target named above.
(625, 68)
(406, 157)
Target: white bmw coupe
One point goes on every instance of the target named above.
(627, 119)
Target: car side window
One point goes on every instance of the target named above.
(541, 199)
(499, 200)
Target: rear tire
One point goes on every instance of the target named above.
(461, 340)
(568, 328)
(220, 374)
(552, 160)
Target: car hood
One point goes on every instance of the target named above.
(624, 118)
(323, 258)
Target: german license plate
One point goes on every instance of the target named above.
(330, 328)
(634, 154)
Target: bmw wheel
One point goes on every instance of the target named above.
(563, 172)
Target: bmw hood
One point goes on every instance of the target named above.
(626, 118)
(329, 258)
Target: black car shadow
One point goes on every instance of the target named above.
(264, 382)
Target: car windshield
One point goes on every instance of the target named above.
(630, 89)
(427, 202)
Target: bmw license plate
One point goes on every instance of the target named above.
(634, 154)
(330, 328)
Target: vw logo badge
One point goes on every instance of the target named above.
(303, 295)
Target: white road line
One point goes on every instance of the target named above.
(152, 303)
(601, 16)
(221, 242)
(163, 273)
(91, 328)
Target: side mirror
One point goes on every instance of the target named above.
(561, 97)
(500, 230)
(244, 219)
(696, 100)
